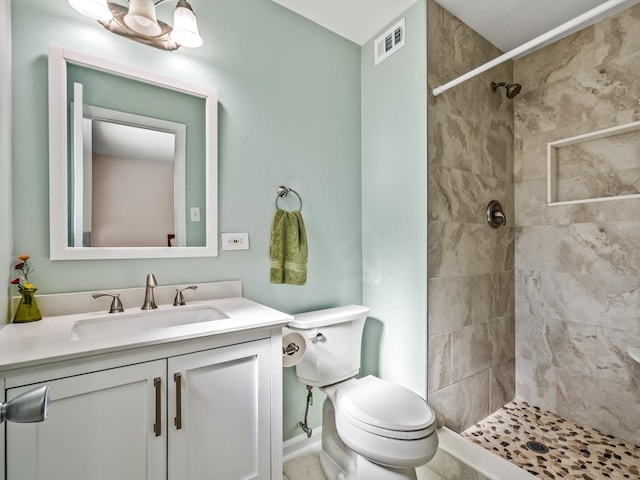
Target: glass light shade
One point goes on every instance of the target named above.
(142, 18)
(98, 9)
(185, 27)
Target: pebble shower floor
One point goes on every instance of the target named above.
(575, 452)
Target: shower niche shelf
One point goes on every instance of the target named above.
(595, 167)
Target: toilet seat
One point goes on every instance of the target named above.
(384, 409)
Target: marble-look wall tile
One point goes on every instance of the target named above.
(439, 361)
(614, 363)
(457, 249)
(470, 160)
(618, 210)
(532, 208)
(493, 296)
(459, 196)
(573, 346)
(604, 167)
(452, 44)
(473, 349)
(504, 332)
(578, 266)
(534, 146)
(603, 248)
(535, 112)
(532, 303)
(503, 384)
(463, 403)
(503, 241)
(535, 373)
(449, 303)
(454, 140)
(571, 53)
(590, 299)
(518, 161)
(616, 37)
(601, 404)
(480, 346)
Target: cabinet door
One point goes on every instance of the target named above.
(100, 427)
(219, 413)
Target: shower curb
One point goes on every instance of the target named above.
(479, 459)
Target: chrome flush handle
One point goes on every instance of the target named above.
(318, 338)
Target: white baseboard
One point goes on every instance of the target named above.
(302, 445)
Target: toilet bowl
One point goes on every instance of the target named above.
(371, 429)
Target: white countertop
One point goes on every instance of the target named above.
(50, 339)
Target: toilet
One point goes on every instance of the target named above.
(371, 429)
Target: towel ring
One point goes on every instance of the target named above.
(284, 191)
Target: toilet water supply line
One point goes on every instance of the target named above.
(303, 424)
(552, 35)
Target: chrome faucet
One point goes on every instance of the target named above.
(149, 302)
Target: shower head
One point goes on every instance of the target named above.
(513, 89)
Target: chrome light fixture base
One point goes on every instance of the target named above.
(117, 25)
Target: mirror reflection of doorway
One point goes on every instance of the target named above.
(127, 181)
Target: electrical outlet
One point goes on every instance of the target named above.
(235, 241)
(195, 214)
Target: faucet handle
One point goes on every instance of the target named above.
(116, 304)
(179, 298)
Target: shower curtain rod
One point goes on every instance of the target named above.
(608, 7)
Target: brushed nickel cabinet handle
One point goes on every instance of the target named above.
(157, 427)
(177, 377)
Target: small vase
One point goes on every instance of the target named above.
(28, 310)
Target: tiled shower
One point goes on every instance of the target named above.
(544, 308)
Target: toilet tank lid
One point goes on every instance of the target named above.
(328, 316)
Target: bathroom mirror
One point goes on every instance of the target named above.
(132, 162)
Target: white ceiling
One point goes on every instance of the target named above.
(509, 24)
(355, 20)
(505, 23)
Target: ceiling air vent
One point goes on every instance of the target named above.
(389, 42)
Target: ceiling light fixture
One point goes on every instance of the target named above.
(139, 22)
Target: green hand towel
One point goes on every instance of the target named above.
(289, 249)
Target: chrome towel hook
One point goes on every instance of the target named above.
(284, 191)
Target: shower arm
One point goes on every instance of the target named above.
(601, 11)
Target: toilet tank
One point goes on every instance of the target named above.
(334, 338)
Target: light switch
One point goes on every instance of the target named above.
(195, 214)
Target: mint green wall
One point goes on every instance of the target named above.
(394, 211)
(289, 112)
(6, 256)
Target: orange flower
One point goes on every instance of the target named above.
(24, 269)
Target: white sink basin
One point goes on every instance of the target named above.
(129, 324)
(635, 353)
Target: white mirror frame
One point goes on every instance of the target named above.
(58, 165)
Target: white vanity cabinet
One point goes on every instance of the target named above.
(219, 411)
(198, 415)
(100, 426)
